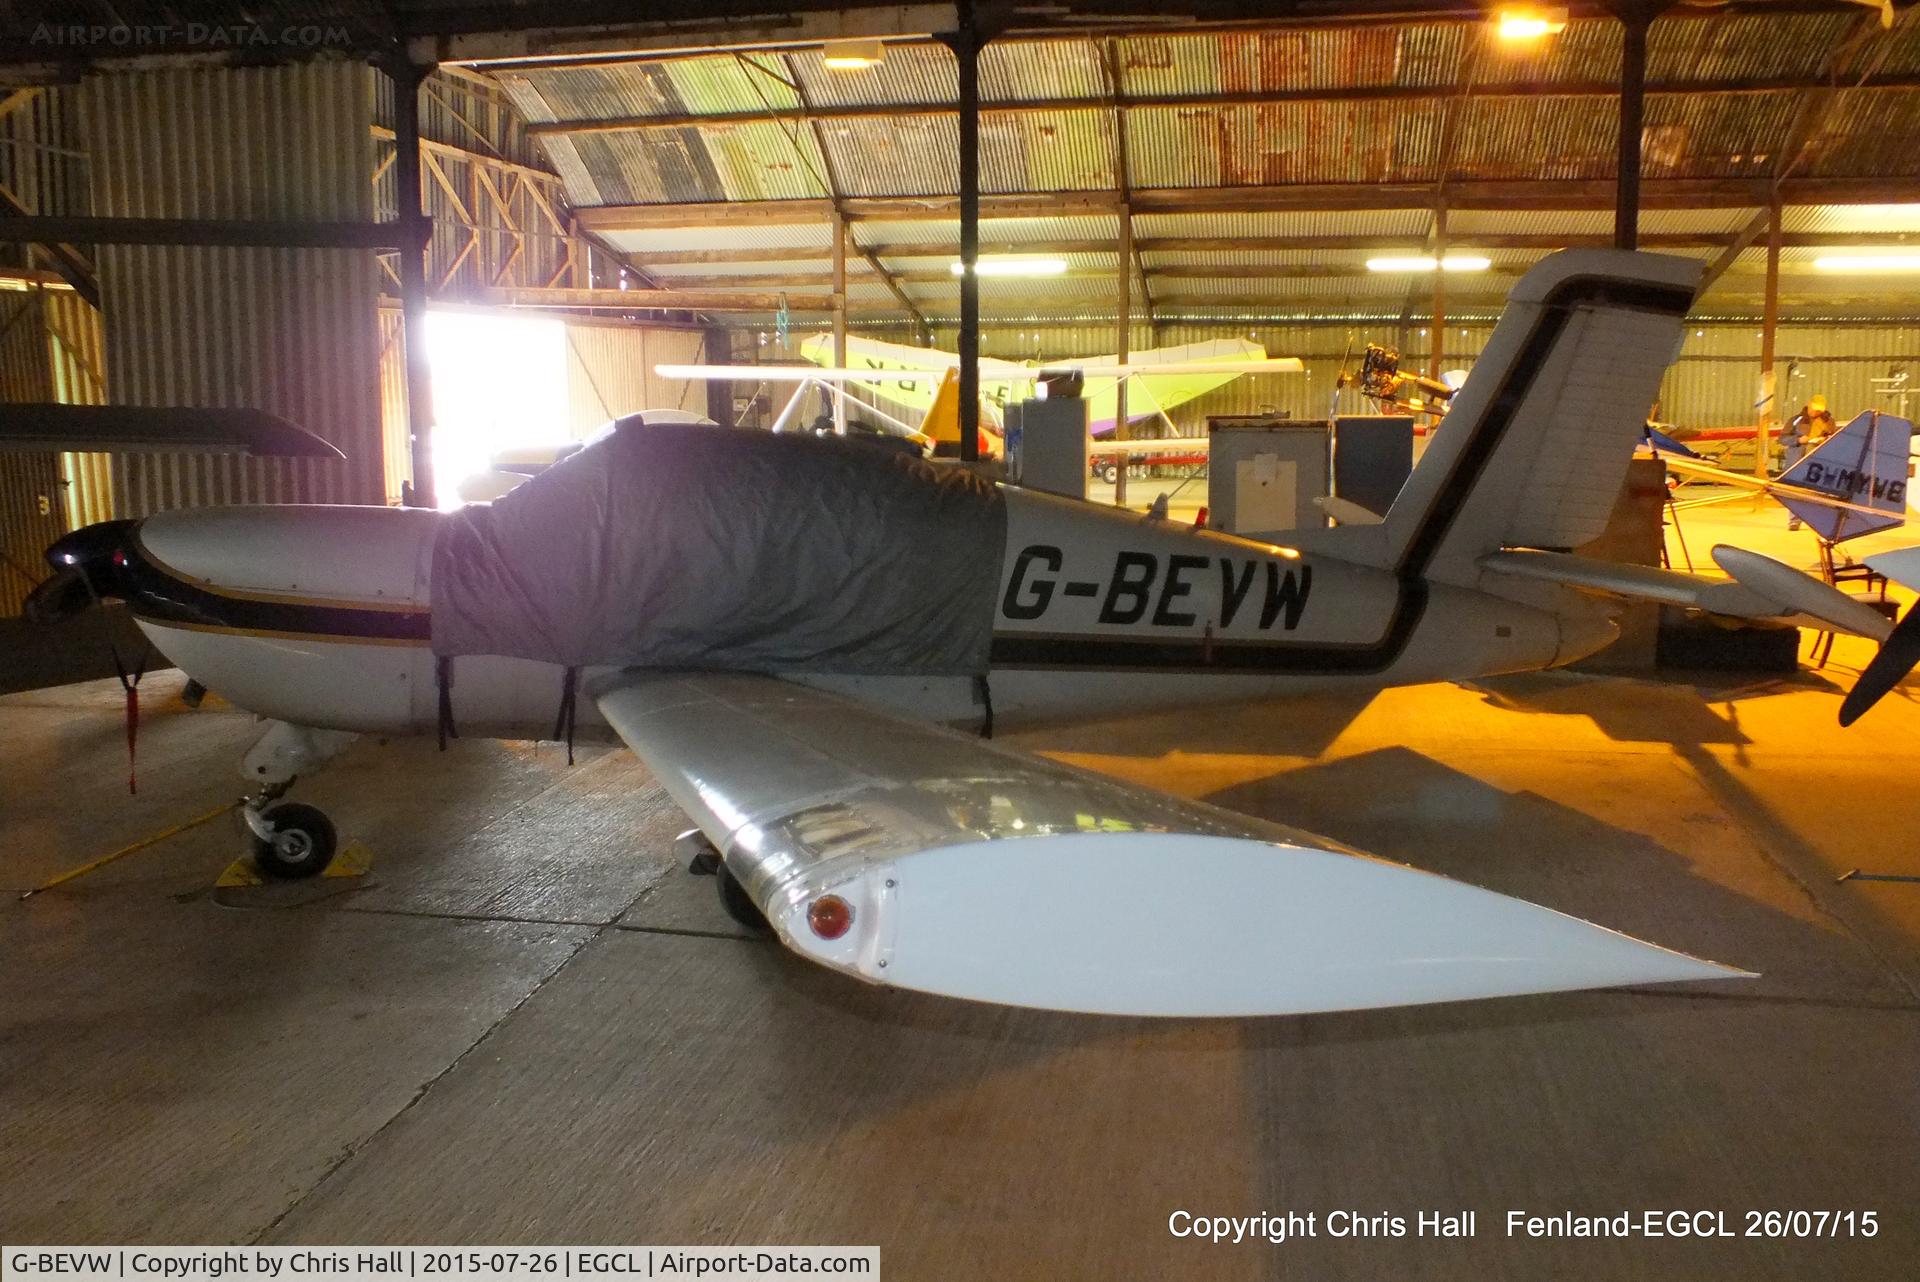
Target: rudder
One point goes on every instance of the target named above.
(1535, 447)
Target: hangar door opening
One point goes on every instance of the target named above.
(516, 382)
(499, 384)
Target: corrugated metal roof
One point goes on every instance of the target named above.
(946, 233)
(1203, 145)
(725, 237)
(1385, 223)
(1496, 134)
(1593, 222)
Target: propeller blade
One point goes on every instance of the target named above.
(1898, 655)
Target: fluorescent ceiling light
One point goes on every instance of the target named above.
(1904, 260)
(1522, 23)
(852, 55)
(1014, 267)
(1451, 263)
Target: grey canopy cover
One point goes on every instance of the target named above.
(677, 545)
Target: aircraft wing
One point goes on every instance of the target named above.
(910, 855)
(991, 372)
(140, 429)
(799, 373)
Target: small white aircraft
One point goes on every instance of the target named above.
(809, 642)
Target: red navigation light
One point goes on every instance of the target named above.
(830, 916)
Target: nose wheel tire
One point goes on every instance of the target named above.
(302, 845)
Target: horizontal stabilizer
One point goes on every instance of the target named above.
(909, 855)
(1760, 588)
(1634, 582)
(1801, 593)
(122, 429)
(1902, 565)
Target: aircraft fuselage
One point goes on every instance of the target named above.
(321, 616)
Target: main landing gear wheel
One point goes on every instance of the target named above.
(302, 844)
(738, 903)
(1109, 473)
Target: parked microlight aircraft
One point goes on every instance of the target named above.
(803, 639)
(1853, 483)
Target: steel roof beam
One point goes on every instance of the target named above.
(1531, 91)
(1478, 194)
(1265, 244)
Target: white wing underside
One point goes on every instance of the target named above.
(991, 372)
(980, 872)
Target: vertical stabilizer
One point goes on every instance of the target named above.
(1535, 447)
(1865, 464)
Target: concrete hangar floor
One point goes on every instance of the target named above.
(528, 1024)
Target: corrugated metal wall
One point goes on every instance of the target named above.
(293, 331)
(610, 371)
(76, 350)
(30, 516)
(39, 164)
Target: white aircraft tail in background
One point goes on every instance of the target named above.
(1853, 483)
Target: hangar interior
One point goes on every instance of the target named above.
(429, 232)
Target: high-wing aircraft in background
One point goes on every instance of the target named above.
(810, 641)
(914, 379)
(1161, 377)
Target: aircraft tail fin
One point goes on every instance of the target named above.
(942, 422)
(1535, 445)
(1864, 463)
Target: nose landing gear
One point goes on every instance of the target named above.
(290, 840)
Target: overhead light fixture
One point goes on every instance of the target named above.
(1014, 267)
(852, 55)
(1906, 260)
(1518, 24)
(1451, 263)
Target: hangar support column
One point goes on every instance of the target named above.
(840, 316)
(1635, 18)
(416, 231)
(966, 50)
(1769, 415)
(1437, 349)
(975, 30)
(1123, 315)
